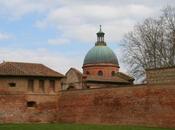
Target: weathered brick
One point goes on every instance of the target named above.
(139, 105)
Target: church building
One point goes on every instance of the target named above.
(100, 68)
(35, 93)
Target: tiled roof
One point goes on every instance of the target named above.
(27, 69)
(106, 79)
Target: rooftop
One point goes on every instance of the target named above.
(115, 79)
(27, 69)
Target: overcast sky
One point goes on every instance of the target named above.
(58, 33)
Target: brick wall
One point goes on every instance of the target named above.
(14, 100)
(13, 108)
(152, 105)
(161, 75)
(139, 105)
(107, 69)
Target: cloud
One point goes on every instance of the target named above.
(56, 61)
(76, 21)
(80, 22)
(58, 41)
(15, 9)
(5, 36)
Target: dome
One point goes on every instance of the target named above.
(100, 54)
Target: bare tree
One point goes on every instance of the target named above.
(169, 22)
(151, 44)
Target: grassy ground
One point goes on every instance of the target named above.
(71, 127)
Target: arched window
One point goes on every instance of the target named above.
(87, 72)
(100, 73)
(113, 73)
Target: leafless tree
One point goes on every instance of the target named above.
(151, 44)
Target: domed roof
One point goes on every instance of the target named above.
(100, 54)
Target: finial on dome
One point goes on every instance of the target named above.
(100, 38)
(100, 28)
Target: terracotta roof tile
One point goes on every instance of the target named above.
(27, 69)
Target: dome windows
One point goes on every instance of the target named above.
(100, 73)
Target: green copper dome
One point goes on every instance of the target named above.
(100, 54)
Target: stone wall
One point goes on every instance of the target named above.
(138, 105)
(161, 75)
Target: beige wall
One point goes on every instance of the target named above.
(71, 77)
(22, 85)
(73, 80)
(161, 76)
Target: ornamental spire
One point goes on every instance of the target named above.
(100, 38)
(100, 28)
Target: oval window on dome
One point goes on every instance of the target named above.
(113, 73)
(100, 73)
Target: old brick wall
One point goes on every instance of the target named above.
(13, 101)
(13, 108)
(161, 75)
(138, 105)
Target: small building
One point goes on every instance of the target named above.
(28, 78)
(28, 88)
(73, 79)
